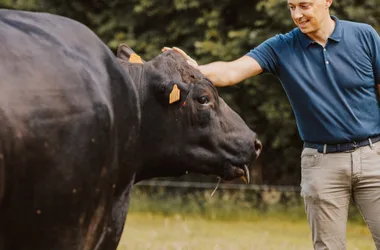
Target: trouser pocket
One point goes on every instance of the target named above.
(310, 158)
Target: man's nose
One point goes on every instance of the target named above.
(297, 13)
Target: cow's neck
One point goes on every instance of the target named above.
(157, 146)
(154, 151)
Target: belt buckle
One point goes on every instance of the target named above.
(355, 145)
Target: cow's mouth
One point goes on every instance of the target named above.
(235, 171)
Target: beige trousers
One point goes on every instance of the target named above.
(328, 181)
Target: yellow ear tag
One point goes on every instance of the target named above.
(175, 94)
(134, 58)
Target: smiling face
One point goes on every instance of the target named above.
(310, 15)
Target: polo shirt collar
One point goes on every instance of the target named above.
(335, 36)
(337, 33)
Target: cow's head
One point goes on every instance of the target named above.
(186, 126)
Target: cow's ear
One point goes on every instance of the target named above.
(124, 52)
(174, 92)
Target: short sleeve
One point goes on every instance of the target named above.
(375, 53)
(266, 54)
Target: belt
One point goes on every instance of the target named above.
(348, 146)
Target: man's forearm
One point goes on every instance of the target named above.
(230, 73)
(218, 73)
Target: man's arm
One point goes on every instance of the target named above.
(229, 73)
(225, 73)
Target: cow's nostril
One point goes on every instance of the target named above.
(258, 147)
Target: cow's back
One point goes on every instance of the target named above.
(66, 110)
(51, 66)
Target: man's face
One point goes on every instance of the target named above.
(309, 15)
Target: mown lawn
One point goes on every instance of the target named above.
(158, 232)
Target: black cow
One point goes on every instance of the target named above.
(78, 127)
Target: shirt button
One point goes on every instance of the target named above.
(324, 49)
(327, 62)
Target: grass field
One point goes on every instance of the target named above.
(158, 232)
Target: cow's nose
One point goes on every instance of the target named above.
(258, 147)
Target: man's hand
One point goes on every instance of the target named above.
(189, 60)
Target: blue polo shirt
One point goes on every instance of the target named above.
(331, 89)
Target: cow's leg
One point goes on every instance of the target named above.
(116, 221)
(61, 176)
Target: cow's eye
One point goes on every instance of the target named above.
(203, 100)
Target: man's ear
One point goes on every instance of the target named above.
(124, 52)
(328, 3)
(173, 93)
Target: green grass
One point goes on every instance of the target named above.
(165, 218)
(264, 232)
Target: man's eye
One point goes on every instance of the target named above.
(203, 100)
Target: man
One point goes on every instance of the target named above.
(329, 69)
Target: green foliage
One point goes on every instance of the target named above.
(212, 30)
(20, 4)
